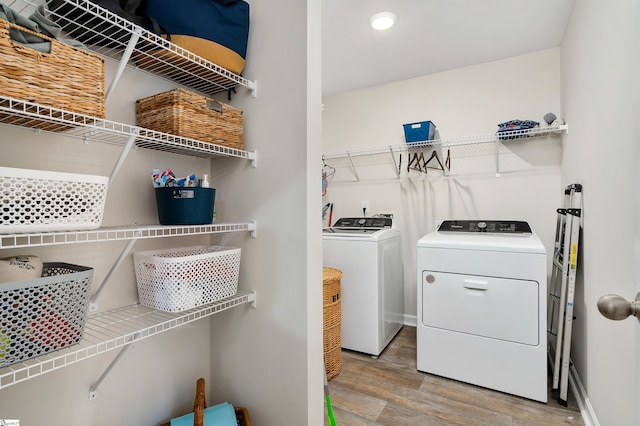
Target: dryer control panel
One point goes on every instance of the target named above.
(492, 226)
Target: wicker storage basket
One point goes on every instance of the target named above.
(189, 115)
(67, 78)
(332, 321)
(44, 314)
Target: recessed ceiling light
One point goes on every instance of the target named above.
(382, 21)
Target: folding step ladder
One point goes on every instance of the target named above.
(562, 288)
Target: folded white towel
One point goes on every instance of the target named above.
(19, 268)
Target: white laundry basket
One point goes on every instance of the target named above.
(38, 200)
(178, 279)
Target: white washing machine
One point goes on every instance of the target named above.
(482, 288)
(367, 251)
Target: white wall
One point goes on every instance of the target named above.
(464, 102)
(269, 359)
(597, 100)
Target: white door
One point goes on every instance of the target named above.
(619, 306)
(484, 306)
(626, 305)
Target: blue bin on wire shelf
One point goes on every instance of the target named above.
(419, 132)
(185, 205)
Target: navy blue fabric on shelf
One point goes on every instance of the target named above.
(516, 128)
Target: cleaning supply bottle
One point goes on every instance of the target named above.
(205, 181)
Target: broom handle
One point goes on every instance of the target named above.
(199, 404)
(332, 420)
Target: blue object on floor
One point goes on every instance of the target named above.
(218, 415)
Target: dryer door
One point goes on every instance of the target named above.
(496, 308)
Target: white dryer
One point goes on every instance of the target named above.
(482, 288)
(367, 251)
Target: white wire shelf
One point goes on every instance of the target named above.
(43, 118)
(449, 142)
(115, 329)
(8, 241)
(109, 35)
(494, 142)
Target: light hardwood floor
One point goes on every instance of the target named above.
(390, 391)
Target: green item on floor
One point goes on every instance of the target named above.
(332, 420)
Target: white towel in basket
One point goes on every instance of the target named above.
(19, 268)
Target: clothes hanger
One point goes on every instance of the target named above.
(434, 154)
(326, 175)
(447, 162)
(325, 167)
(412, 160)
(418, 160)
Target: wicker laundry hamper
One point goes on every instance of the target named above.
(332, 321)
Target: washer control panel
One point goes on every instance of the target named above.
(491, 226)
(364, 222)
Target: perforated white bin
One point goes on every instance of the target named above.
(178, 279)
(44, 314)
(40, 201)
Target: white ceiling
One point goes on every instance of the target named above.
(430, 36)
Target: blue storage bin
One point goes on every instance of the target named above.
(420, 131)
(185, 205)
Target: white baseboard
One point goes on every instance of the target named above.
(410, 320)
(586, 410)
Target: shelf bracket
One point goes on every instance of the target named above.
(253, 156)
(497, 156)
(93, 304)
(93, 390)
(124, 60)
(355, 172)
(253, 228)
(253, 298)
(123, 156)
(253, 86)
(395, 163)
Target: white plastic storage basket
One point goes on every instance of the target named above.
(178, 279)
(44, 314)
(37, 201)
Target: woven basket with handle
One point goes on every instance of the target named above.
(190, 115)
(67, 78)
